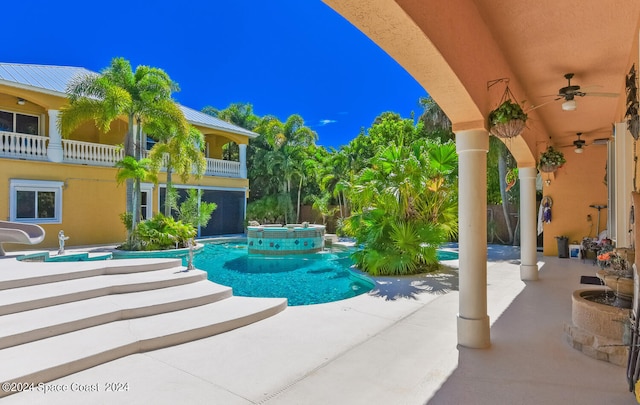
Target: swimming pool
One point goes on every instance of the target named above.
(302, 279)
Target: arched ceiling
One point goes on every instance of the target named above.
(455, 48)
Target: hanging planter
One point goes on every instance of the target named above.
(551, 160)
(508, 120)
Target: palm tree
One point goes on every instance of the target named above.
(117, 91)
(137, 170)
(333, 174)
(404, 205)
(284, 157)
(178, 151)
(240, 114)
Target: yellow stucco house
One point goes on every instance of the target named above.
(69, 184)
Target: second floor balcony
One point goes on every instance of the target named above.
(34, 147)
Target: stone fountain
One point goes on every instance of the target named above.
(600, 317)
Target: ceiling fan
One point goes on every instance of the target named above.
(570, 92)
(579, 144)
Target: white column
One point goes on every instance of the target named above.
(243, 160)
(528, 224)
(473, 321)
(54, 149)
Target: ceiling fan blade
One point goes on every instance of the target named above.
(535, 107)
(598, 94)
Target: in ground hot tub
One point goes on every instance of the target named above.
(284, 240)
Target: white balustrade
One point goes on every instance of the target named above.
(23, 146)
(91, 153)
(225, 168)
(34, 147)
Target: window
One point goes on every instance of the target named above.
(35, 201)
(144, 205)
(20, 123)
(146, 202)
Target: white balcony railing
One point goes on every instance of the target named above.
(215, 167)
(34, 147)
(224, 168)
(89, 153)
(23, 146)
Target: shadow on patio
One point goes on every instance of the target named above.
(529, 361)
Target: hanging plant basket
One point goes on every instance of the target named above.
(548, 168)
(551, 160)
(509, 129)
(508, 120)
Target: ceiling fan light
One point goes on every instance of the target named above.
(569, 105)
(578, 150)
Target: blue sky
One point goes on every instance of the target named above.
(283, 56)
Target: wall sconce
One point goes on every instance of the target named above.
(21, 101)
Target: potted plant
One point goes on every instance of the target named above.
(508, 120)
(551, 160)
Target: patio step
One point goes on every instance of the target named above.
(22, 274)
(48, 359)
(28, 326)
(44, 295)
(60, 318)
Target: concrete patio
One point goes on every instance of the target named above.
(396, 345)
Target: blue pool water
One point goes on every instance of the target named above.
(302, 279)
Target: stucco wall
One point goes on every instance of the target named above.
(91, 201)
(573, 188)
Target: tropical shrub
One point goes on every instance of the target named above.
(405, 207)
(266, 210)
(161, 233)
(193, 210)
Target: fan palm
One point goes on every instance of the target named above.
(404, 207)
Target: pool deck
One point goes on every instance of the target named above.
(396, 345)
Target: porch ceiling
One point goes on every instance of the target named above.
(455, 48)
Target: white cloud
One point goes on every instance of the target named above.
(327, 122)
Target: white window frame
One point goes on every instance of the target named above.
(148, 188)
(16, 185)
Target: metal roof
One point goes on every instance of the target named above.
(54, 79)
(200, 118)
(51, 78)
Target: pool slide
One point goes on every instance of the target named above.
(15, 232)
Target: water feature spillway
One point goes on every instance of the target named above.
(283, 240)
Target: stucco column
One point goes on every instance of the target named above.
(528, 224)
(54, 148)
(473, 321)
(243, 160)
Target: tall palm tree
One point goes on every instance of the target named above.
(129, 168)
(178, 151)
(119, 91)
(284, 157)
(333, 173)
(240, 114)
